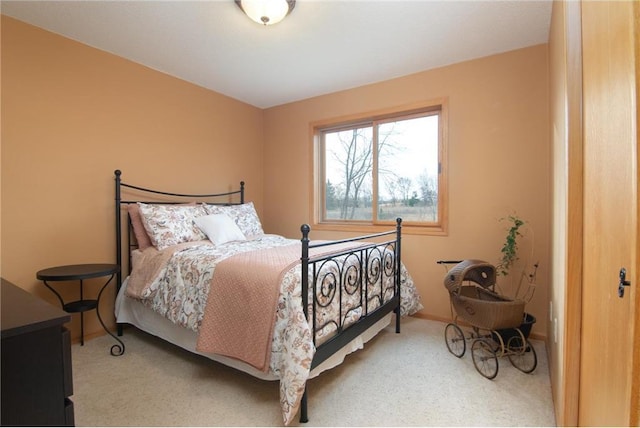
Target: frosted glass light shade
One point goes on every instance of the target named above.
(267, 12)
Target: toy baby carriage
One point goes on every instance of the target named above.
(500, 325)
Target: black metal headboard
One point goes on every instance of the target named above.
(147, 195)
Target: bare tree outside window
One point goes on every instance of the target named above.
(349, 162)
(408, 169)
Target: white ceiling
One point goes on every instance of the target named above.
(323, 46)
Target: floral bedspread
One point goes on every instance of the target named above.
(180, 290)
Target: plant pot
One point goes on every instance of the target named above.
(525, 328)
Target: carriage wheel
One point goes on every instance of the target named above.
(499, 347)
(522, 354)
(453, 336)
(484, 358)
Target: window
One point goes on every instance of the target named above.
(372, 170)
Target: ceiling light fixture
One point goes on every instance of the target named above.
(267, 12)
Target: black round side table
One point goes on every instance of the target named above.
(80, 273)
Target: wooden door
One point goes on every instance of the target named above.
(608, 373)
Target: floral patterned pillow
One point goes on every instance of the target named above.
(244, 215)
(169, 225)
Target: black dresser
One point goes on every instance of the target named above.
(36, 361)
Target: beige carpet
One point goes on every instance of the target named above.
(407, 379)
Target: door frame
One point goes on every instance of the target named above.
(573, 293)
(635, 385)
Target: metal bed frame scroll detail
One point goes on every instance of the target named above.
(325, 277)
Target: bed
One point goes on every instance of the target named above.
(300, 308)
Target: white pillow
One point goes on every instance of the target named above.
(220, 228)
(244, 215)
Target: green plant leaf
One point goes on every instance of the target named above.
(509, 250)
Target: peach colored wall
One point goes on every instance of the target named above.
(499, 162)
(71, 115)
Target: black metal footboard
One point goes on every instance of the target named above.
(361, 283)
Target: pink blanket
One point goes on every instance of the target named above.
(241, 306)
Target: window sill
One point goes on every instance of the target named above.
(407, 229)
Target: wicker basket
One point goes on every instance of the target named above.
(476, 302)
(485, 309)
